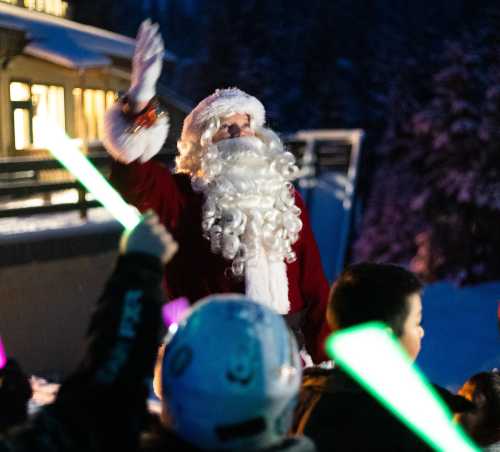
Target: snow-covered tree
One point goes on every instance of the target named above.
(437, 193)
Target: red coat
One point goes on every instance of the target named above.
(196, 272)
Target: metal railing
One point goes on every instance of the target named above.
(27, 178)
(317, 152)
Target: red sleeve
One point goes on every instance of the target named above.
(148, 185)
(314, 288)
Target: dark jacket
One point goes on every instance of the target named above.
(102, 405)
(339, 415)
(161, 440)
(15, 392)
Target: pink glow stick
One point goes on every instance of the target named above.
(3, 356)
(173, 311)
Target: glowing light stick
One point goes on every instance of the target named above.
(3, 355)
(375, 358)
(173, 312)
(69, 155)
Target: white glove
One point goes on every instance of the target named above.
(146, 68)
(146, 63)
(149, 237)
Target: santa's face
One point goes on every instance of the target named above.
(234, 126)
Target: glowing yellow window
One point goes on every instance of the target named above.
(22, 135)
(90, 107)
(110, 98)
(19, 92)
(32, 107)
(20, 98)
(78, 113)
(48, 106)
(90, 114)
(30, 4)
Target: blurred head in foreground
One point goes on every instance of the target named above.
(230, 375)
(482, 422)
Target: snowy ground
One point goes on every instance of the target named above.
(20, 227)
(40, 225)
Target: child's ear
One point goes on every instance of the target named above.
(157, 372)
(330, 319)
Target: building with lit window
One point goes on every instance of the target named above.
(52, 68)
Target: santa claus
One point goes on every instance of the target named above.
(230, 204)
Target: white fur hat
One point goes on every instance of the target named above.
(222, 103)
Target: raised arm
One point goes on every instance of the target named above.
(102, 405)
(131, 129)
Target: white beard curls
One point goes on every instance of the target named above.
(249, 205)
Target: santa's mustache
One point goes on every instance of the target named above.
(247, 153)
(238, 158)
(237, 148)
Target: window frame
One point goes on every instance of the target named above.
(23, 105)
(28, 104)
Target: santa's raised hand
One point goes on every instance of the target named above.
(146, 64)
(129, 134)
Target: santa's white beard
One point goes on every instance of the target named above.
(249, 214)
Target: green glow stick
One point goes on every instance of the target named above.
(69, 155)
(376, 359)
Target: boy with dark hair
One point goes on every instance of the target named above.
(335, 412)
(388, 293)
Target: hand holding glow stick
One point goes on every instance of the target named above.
(374, 358)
